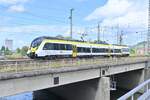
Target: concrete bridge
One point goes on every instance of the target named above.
(73, 79)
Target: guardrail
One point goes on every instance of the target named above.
(130, 94)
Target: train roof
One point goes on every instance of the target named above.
(56, 38)
(72, 40)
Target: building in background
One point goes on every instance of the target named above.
(9, 44)
(140, 48)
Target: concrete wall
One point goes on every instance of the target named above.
(96, 89)
(27, 84)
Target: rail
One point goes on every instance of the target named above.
(130, 94)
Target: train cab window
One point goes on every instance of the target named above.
(36, 42)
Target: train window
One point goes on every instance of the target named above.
(99, 50)
(62, 46)
(106, 50)
(88, 50)
(68, 47)
(56, 46)
(117, 50)
(48, 46)
(79, 49)
(83, 50)
(125, 50)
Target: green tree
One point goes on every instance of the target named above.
(7, 51)
(132, 51)
(24, 50)
(3, 48)
(18, 50)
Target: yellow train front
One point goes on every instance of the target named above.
(49, 47)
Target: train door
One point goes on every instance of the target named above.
(74, 53)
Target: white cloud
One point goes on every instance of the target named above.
(113, 8)
(122, 12)
(16, 8)
(134, 19)
(15, 5)
(12, 1)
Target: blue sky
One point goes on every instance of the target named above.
(23, 20)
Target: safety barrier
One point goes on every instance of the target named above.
(130, 94)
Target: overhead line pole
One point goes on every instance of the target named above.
(71, 10)
(118, 34)
(148, 33)
(98, 33)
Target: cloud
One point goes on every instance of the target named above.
(113, 8)
(16, 8)
(12, 1)
(122, 12)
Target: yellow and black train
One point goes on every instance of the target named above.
(49, 47)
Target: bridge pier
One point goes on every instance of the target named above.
(96, 89)
(103, 89)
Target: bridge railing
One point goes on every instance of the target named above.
(131, 94)
(17, 66)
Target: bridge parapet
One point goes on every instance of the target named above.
(38, 67)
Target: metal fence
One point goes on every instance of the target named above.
(130, 95)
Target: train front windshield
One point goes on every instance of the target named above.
(36, 42)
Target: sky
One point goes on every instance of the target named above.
(24, 20)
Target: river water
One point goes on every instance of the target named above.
(24, 96)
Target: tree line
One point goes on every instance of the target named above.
(5, 51)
